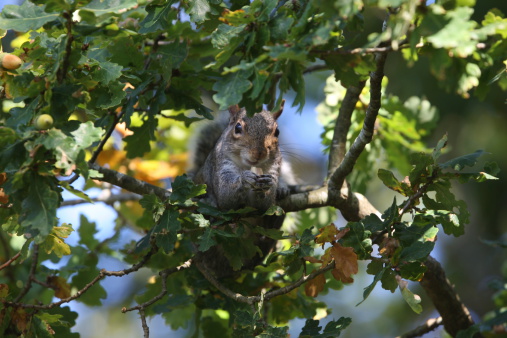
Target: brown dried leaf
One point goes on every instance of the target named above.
(4, 198)
(345, 263)
(60, 285)
(314, 286)
(389, 246)
(4, 290)
(20, 318)
(312, 259)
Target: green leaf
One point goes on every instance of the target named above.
(25, 17)
(39, 207)
(390, 181)
(442, 143)
(74, 191)
(461, 162)
(422, 164)
(358, 238)
(138, 143)
(335, 327)
(222, 36)
(275, 210)
(100, 7)
(413, 300)
(388, 280)
(183, 188)
(231, 87)
(166, 230)
(453, 30)
(275, 332)
(417, 252)
(271, 233)
(86, 272)
(311, 328)
(107, 72)
(369, 288)
(199, 10)
(158, 18)
(87, 134)
(206, 240)
(87, 231)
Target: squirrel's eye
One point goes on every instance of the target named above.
(277, 132)
(238, 129)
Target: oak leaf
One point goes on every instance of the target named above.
(345, 262)
(60, 285)
(315, 286)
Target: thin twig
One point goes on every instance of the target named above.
(163, 274)
(430, 325)
(107, 200)
(62, 72)
(116, 120)
(102, 274)
(9, 262)
(266, 296)
(370, 50)
(146, 329)
(31, 274)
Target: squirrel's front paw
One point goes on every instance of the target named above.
(258, 183)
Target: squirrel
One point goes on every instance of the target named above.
(240, 163)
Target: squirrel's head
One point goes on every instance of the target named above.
(253, 141)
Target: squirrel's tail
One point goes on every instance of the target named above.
(204, 140)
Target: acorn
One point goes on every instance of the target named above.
(43, 122)
(10, 61)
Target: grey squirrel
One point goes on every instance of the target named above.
(240, 163)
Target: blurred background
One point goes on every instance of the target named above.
(470, 264)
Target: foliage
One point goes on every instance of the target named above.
(123, 80)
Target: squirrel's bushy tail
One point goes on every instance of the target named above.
(204, 140)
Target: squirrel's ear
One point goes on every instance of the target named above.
(233, 110)
(277, 114)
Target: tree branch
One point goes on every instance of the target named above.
(102, 274)
(129, 183)
(365, 136)
(430, 325)
(31, 274)
(371, 50)
(10, 260)
(163, 274)
(107, 200)
(455, 315)
(267, 296)
(342, 126)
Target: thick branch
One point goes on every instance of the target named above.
(455, 315)
(354, 208)
(342, 126)
(365, 136)
(129, 183)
